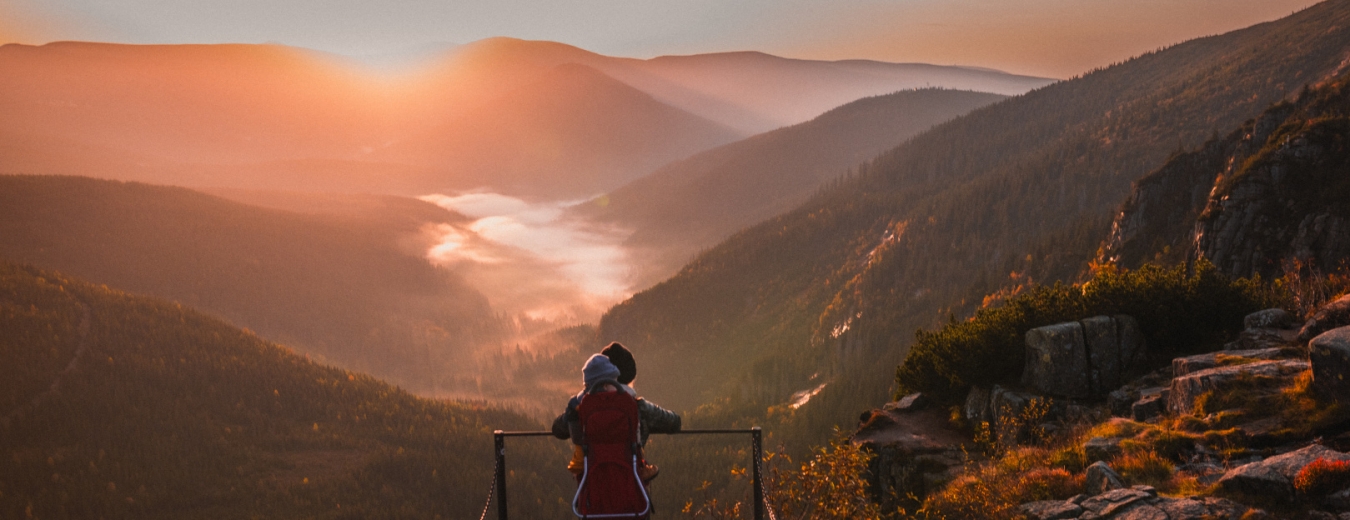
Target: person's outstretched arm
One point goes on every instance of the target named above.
(657, 419)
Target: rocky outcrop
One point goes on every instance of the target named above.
(1100, 478)
(1331, 316)
(1329, 354)
(1135, 503)
(1185, 365)
(1269, 319)
(1273, 478)
(1269, 191)
(914, 451)
(1185, 389)
(1082, 359)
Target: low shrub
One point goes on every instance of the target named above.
(1323, 477)
(1180, 310)
(1144, 467)
(994, 490)
(832, 484)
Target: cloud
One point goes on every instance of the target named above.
(530, 260)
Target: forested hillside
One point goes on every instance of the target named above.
(350, 288)
(833, 291)
(690, 205)
(115, 406)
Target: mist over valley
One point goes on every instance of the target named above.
(313, 285)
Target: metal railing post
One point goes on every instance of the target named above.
(758, 456)
(499, 447)
(757, 453)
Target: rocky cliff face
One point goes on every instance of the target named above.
(1277, 188)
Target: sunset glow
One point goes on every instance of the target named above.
(1057, 38)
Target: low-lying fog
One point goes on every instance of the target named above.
(530, 260)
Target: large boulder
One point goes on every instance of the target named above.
(1153, 402)
(1269, 319)
(1181, 396)
(1057, 361)
(1333, 315)
(914, 451)
(1102, 448)
(1115, 502)
(1274, 477)
(1329, 354)
(1051, 510)
(1100, 478)
(1082, 359)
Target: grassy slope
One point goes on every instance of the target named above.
(1026, 185)
(168, 413)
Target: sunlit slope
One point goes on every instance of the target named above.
(116, 406)
(352, 289)
(839, 285)
(693, 204)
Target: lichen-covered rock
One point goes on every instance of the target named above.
(1108, 503)
(977, 406)
(1333, 315)
(1329, 354)
(1100, 478)
(1138, 503)
(1256, 339)
(1057, 361)
(1051, 510)
(1181, 396)
(1269, 319)
(1102, 448)
(1082, 359)
(1149, 406)
(1103, 349)
(1120, 400)
(1274, 477)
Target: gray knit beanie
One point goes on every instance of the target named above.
(598, 368)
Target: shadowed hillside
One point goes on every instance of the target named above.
(114, 406)
(690, 205)
(352, 289)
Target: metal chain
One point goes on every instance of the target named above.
(768, 506)
(492, 486)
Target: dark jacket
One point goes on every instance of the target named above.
(651, 419)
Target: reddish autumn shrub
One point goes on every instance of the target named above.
(1323, 477)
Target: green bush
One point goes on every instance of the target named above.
(1180, 310)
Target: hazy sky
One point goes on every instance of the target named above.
(1057, 38)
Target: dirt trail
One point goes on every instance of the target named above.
(86, 319)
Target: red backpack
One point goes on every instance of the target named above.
(610, 486)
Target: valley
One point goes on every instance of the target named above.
(263, 281)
